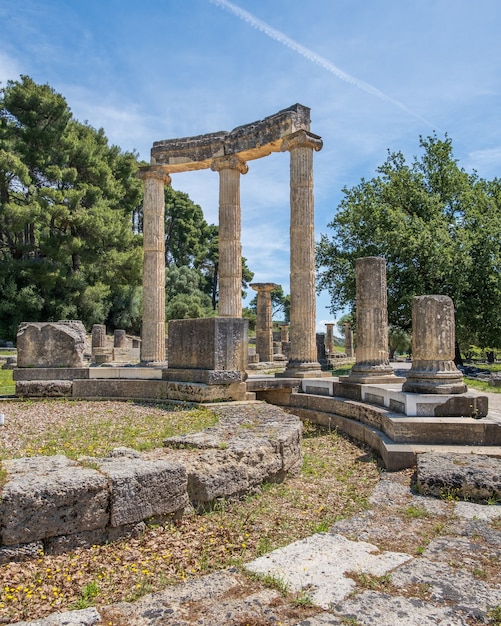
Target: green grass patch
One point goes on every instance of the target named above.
(97, 436)
(7, 385)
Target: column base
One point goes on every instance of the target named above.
(436, 385)
(367, 372)
(297, 369)
(440, 377)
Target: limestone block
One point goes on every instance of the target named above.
(472, 477)
(215, 343)
(246, 448)
(141, 488)
(51, 344)
(50, 496)
(44, 388)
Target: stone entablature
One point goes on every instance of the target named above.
(250, 141)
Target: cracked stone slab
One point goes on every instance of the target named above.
(449, 585)
(319, 564)
(371, 608)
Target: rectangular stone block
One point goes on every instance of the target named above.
(216, 343)
(141, 489)
(50, 496)
(50, 373)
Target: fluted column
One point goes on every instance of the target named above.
(153, 326)
(348, 340)
(230, 248)
(303, 350)
(433, 336)
(372, 363)
(329, 338)
(264, 322)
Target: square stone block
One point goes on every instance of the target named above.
(216, 343)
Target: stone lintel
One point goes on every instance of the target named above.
(250, 141)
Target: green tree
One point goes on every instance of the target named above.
(438, 228)
(183, 296)
(66, 203)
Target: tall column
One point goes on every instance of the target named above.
(303, 350)
(433, 336)
(264, 322)
(329, 339)
(348, 340)
(372, 363)
(153, 328)
(230, 248)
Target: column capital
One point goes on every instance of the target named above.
(154, 171)
(232, 162)
(301, 139)
(263, 286)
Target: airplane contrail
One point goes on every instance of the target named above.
(277, 35)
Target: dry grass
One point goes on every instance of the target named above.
(335, 481)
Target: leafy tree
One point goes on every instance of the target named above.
(66, 201)
(438, 228)
(184, 298)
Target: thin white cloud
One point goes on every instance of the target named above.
(280, 37)
(9, 68)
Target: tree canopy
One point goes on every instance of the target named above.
(71, 224)
(66, 200)
(439, 229)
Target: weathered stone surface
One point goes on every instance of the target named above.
(44, 388)
(213, 344)
(250, 141)
(141, 489)
(50, 496)
(24, 552)
(433, 339)
(312, 562)
(463, 406)
(84, 617)
(251, 444)
(69, 543)
(473, 477)
(51, 344)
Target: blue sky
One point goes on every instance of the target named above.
(376, 74)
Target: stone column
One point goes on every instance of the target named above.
(264, 324)
(433, 338)
(329, 339)
(372, 364)
(98, 336)
(303, 350)
(348, 340)
(119, 339)
(153, 328)
(230, 248)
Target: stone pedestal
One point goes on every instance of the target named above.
(209, 351)
(230, 248)
(264, 323)
(153, 328)
(433, 337)
(372, 363)
(303, 350)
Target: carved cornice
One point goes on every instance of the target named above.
(156, 172)
(301, 139)
(232, 162)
